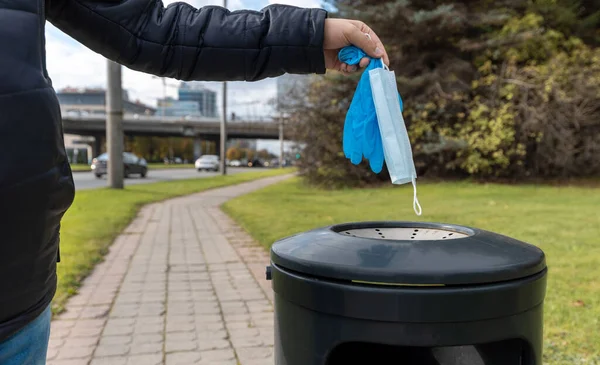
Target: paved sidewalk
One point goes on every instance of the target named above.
(182, 285)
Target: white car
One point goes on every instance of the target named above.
(235, 163)
(208, 163)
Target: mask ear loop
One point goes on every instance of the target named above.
(416, 205)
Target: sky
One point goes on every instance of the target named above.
(71, 64)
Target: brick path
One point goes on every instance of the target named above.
(182, 285)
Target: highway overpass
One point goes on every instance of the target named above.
(207, 129)
(144, 125)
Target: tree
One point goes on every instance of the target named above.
(489, 88)
(234, 153)
(265, 154)
(249, 154)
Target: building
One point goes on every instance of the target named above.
(79, 148)
(90, 101)
(170, 107)
(93, 101)
(206, 98)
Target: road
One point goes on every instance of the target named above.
(87, 180)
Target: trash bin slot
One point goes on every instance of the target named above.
(405, 234)
(403, 231)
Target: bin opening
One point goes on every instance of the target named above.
(507, 352)
(404, 233)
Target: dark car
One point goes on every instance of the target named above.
(133, 165)
(255, 163)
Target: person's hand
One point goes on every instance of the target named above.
(340, 33)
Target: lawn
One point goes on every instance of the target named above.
(80, 167)
(98, 216)
(162, 166)
(151, 166)
(563, 221)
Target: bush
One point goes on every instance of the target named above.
(502, 89)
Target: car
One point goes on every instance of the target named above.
(207, 163)
(255, 163)
(132, 164)
(235, 163)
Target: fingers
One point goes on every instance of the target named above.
(357, 38)
(364, 62)
(377, 41)
(372, 43)
(346, 68)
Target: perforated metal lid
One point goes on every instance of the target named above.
(398, 233)
(407, 253)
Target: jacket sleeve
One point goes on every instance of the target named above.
(210, 43)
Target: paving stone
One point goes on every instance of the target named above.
(148, 328)
(203, 334)
(82, 361)
(81, 341)
(183, 358)
(139, 348)
(113, 360)
(52, 352)
(74, 352)
(96, 311)
(148, 359)
(254, 353)
(180, 341)
(57, 324)
(213, 344)
(87, 328)
(113, 349)
(72, 312)
(218, 355)
(125, 310)
(147, 338)
(114, 340)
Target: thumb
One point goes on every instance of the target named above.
(364, 42)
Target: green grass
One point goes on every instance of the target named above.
(80, 167)
(160, 166)
(563, 221)
(98, 216)
(151, 166)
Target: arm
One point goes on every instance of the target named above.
(210, 43)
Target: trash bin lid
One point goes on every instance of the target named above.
(407, 253)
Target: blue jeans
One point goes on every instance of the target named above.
(30, 345)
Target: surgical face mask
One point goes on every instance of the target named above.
(394, 136)
(374, 127)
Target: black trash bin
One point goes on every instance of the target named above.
(407, 293)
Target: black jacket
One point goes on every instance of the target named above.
(36, 186)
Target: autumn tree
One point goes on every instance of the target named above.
(234, 153)
(492, 89)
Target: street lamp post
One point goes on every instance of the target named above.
(281, 140)
(224, 124)
(114, 125)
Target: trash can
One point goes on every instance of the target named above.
(407, 293)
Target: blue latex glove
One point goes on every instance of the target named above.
(361, 130)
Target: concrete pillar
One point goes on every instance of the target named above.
(197, 148)
(217, 147)
(97, 146)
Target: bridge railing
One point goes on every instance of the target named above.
(167, 119)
